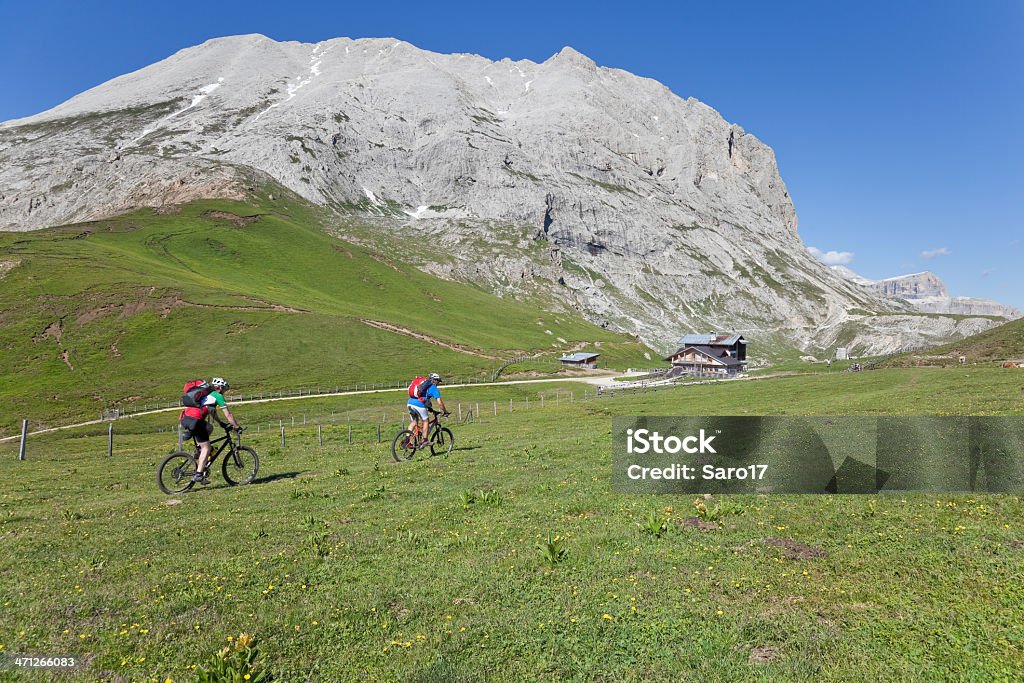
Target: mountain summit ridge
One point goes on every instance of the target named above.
(592, 187)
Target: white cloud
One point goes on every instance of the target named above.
(987, 272)
(832, 258)
(929, 254)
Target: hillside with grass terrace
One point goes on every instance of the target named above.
(1002, 345)
(122, 311)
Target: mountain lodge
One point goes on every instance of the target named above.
(712, 354)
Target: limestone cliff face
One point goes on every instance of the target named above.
(926, 292)
(914, 286)
(595, 188)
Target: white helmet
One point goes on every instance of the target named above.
(435, 377)
(219, 383)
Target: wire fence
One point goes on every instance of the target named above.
(360, 426)
(236, 397)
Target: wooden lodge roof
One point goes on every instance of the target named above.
(711, 340)
(714, 353)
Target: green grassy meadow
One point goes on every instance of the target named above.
(511, 559)
(124, 310)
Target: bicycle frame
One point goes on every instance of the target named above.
(224, 441)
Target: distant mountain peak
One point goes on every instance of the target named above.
(570, 55)
(927, 292)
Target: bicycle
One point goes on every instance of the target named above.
(174, 475)
(439, 439)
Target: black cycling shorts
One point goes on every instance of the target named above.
(197, 429)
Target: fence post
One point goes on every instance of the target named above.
(460, 412)
(180, 437)
(319, 435)
(542, 400)
(378, 433)
(510, 405)
(350, 435)
(303, 419)
(527, 402)
(282, 432)
(24, 434)
(495, 409)
(110, 439)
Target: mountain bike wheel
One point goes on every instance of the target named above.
(240, 466)
(442, 441)
(404, 446)
(174, 475)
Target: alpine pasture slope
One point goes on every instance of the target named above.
(124, 310)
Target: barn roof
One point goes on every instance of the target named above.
(579, 357)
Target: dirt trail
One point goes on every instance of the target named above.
(381, 325)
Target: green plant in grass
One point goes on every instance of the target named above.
(490, 497)
(319, 544)
(553, 550)
(710, 510)
(238, 662)
(654, 524)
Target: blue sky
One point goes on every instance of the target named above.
(898, 126)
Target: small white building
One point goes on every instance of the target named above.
(842, 353)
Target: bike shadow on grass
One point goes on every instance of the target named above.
(276, 477)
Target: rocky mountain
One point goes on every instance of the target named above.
(927, 293)
(586, 186)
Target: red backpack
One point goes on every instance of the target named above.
(414, 388)
(192, 396)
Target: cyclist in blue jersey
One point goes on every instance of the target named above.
(420, 402)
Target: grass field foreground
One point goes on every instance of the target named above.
(512, 560)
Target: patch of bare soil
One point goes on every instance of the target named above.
(54, 329)
(763, 655)
(381, 325)
(793, 550)
(234, 219)
(269, 307)
(7, 266)
(381, 259)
